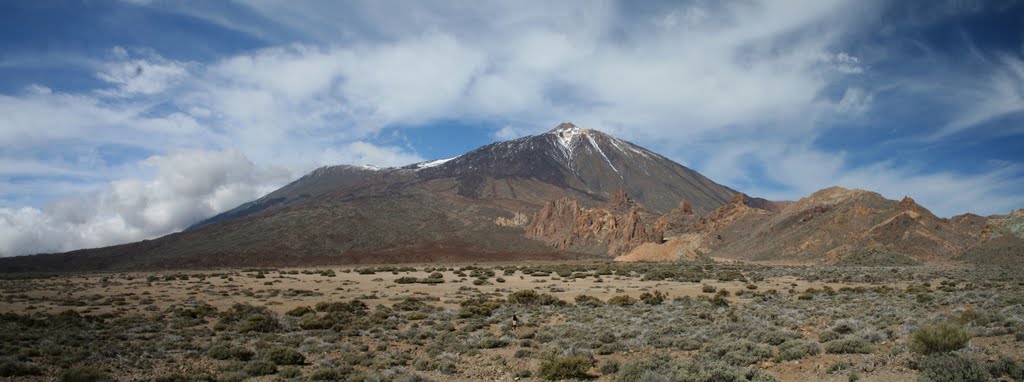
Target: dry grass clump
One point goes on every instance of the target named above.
(939, 338)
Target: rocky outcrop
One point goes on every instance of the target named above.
(677, 221)
(617, 229)
(1008, 225)
(518, 219)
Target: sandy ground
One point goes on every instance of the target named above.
(282, 289)
(223, 288)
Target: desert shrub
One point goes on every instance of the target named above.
(477, 307)
(284, 356)
(354, 306)
(719, 300)
(223, 352)
(531, 297)
(708, 288)
(13, 368)
(848, 345)
(797, 349)
(1007, 367)
(609, 367)
(490, 342)
(313, 322)
(938, 338)
(838, 366)
(770, 336)
(175, 377)
(246, 318)
(326, 374)
(406, 280)
(289, 372)
(846, 326)
(567, 367)
(622, 300)
(260, 367)
(300, 311)
(584, 300)
(740, 353)
(655, 298)
(84, 374)
(829, 335)
(234, 376)
(950, 367)
(523, 374)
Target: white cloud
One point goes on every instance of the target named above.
(363, 153)
(999, 93)
(142, 76)
(855, 102)
(188, 186)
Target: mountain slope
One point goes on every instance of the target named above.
(470, 207)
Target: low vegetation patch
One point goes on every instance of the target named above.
(940, 337)
(567, 367)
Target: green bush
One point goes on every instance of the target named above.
(326, 374)
(622, 300)
(12, 368)
(223, 352)
(300, 311)
(740, 353)
(948, 367)
(797, 349)
(284, 356)
(354, 306)
(584, 300)
(939, 338)
(247, 318)
(260, 367)
(1007, 367)
(312, 322)
(477, 307)
(84, 374)
(531, 297)
(569, 367)
(848, 345)
(708, 288)
(609, 367)
(655, 298)
(289, 372)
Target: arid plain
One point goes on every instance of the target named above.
(699, 321)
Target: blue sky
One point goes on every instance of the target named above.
(125, 120)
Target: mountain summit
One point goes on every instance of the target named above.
(470, 207)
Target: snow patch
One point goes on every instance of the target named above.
(599, 151)
(628, 147)
(566, 134)
(433, 163)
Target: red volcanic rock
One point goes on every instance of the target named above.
(564, 224)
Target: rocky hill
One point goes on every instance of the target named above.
(1000, 241)
(824, 227)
